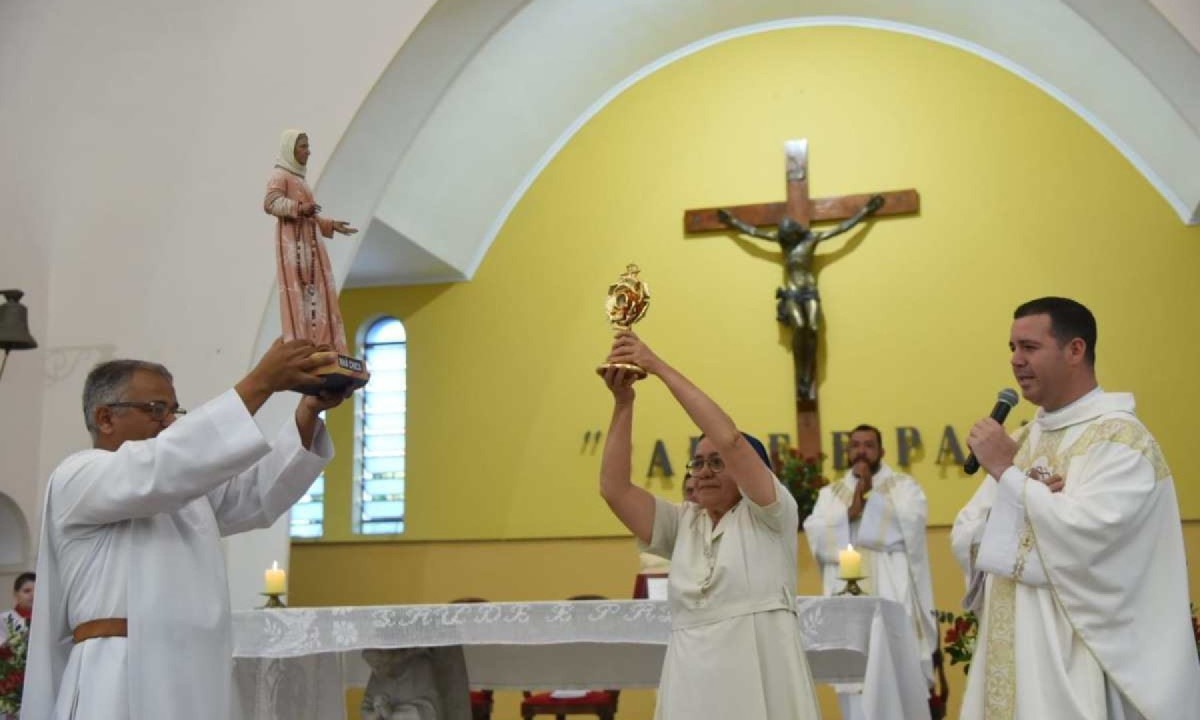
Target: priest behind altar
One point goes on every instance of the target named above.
(131, 617)
(882, 513)
(1073, 547)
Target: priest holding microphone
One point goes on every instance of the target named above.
(1073, 546)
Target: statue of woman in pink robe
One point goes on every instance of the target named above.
(308, 300)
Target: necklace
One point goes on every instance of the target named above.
(305, 262)
(306, 269)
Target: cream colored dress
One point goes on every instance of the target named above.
(735, 648)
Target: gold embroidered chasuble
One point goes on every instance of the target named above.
(1082, 590)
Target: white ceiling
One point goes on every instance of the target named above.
(485, 93)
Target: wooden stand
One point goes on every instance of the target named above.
(851, 588)
(343, 375)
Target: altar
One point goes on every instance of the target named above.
(296, 664)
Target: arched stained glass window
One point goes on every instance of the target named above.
(381, 431)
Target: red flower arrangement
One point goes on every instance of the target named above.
(12, 667)
(1196, 629)
(960, 639)
(802, 477)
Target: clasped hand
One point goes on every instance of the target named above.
(862, 470)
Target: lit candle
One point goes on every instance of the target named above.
(849, 563)
(275, 580)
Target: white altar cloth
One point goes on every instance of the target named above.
(297, 663)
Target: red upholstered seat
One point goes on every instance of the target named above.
(594, 697)
(481, 704)
(601, 703)
(641, 584)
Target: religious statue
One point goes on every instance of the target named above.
(416, 683)
(308, 301)
(799, 303)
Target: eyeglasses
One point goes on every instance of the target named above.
(714, 463)
(156, 409)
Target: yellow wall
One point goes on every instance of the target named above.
(1020, 198)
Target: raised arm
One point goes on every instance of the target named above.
(162, 474)
(753, 477)
(186, 460)
(733, 222)
(632, 505)
(870, 208)
(259, 496)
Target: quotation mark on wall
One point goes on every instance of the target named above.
(591, 441)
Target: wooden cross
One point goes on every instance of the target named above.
(798, 302)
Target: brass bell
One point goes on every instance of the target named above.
(14, 323)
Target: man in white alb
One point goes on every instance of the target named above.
(132, 617)
(1073, 547)
(882, 513)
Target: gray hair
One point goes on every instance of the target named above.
(106, 384)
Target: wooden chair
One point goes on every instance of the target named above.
(481, 704)
(641, 584)
(601, 703)
(482, 701)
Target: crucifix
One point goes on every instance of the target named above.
(798, 304)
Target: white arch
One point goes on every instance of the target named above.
(484, 94)
(14, 537)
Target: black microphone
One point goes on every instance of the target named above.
(1005, 400)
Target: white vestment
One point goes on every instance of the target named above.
(1082, 594)
(735, 650)
(135, 534)
(890, 535)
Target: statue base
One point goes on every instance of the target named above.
(340, 376)
(635, 369)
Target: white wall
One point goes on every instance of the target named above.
(24, 264)
(137, 138)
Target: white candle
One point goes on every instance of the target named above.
(849, 563)
(275, 580)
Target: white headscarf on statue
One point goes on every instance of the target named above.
(287, 152)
